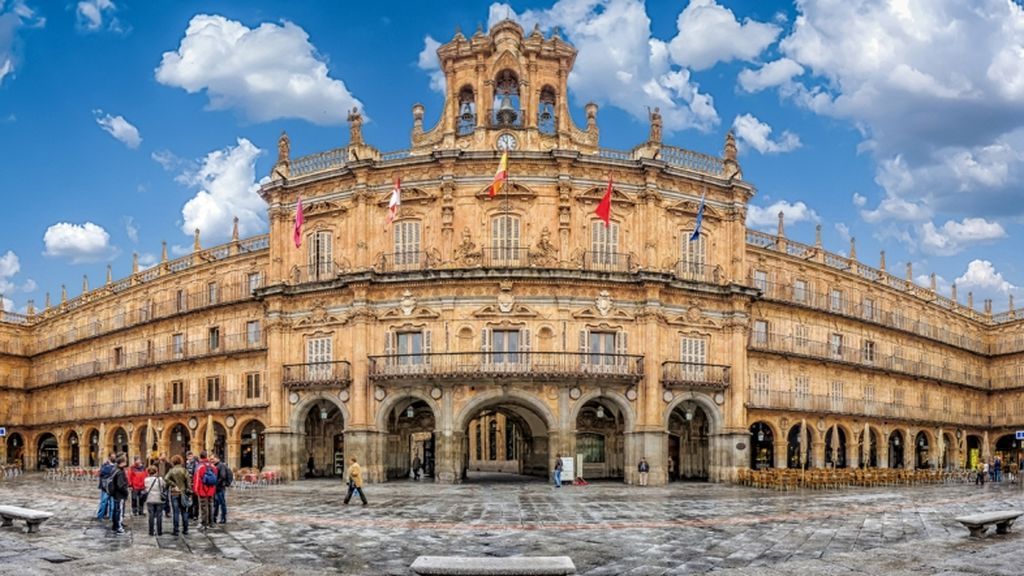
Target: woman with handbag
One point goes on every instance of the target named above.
(153, 496)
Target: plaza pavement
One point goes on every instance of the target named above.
(606, 528)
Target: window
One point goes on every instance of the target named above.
(869, 394)
(835, 300)
(407, 242)
(180, 301)
(178, 392)
(591, 446)
(252, 385)
(410, 347)
(693, 352)
(802, 391)
(254, 280)
(761, 280)
(692, 255)
(118, 356)
(761, 332)
(897, 397)
(602, 347)
(867, 308)
(213, 389)
(319, 256)
(492, 439)
(211, 293)
(510, 440)
(924, 400)
(213, 339)
(319, 354)
(146, 311)
(761, 386)
(835, 346)
(836, 396)
(604, 243)
(504, 346)
(947, 405)
(800, 335)
(867, 351)
(178, 345)
(505, 238)
(800, 291)
(252, 333)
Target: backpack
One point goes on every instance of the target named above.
(106, 484)
(209, 475)
(229, 476)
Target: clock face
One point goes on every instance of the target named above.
(507, 142)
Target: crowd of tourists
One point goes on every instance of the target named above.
(186, 490)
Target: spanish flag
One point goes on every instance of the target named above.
(501, 176)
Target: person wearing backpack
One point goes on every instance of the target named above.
(106, 473)
(205, 488)
(118, 490)
(154, 501)
(224, 480)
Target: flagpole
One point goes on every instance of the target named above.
(507, 201)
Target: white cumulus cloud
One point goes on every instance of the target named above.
(768, 216)
(777, 73)
(268, 72)
(78, 242)
(953, 237)
(94, 15)
(752, 132)
(981, 274)
(15, 17)
(119, 128)
(227, 187)
(428, 61)
(709, 34)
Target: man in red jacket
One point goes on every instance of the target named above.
(204, 486)
(137, 482)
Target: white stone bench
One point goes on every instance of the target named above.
(978, 523)
(32, 518)
(493, 566)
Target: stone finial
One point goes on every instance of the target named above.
(355, 127)
(417, 118)
(591, 110)
(781, 232)
(853, 248)
(881, 261)
(85, 283)
(234, 229)
(655, 117)
(63, 294)
(458, 34)
(910, 272)
(284, 148)
(47, 302)
(31, 307)
(163, 251)
(536, 30)
(732, 165)
(110, 275)
(195, 242)
(1011, 302)
(135, 262)
(988, 306)
(953, 292)
(970, 300)
(933, 284)
(817, 236)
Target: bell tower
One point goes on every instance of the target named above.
(506, 90)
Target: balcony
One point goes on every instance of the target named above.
(690, 375)
(477, 366)
(84, 411)
(807, 348)
(827, 404)
(695, 272)
(335, 374)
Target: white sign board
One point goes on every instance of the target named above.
(3, 432)
(1020, 434)
(568, 470)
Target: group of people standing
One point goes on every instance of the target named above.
(192, 488)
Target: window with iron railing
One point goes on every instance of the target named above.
(319, 354)
(253, 279)
(835, 300)
(867, 308)
(604, 242)
(252, 332)
(178, 345)
(802, 391)
(800, 335)
(868, 351)
(761, 280)
(693, 352)
(836, 346)
(211, 293)
(836, 396)
(760, 333)
(213, 389)
(180, 301)
(762, 385)
(213, 338)
(407, 242)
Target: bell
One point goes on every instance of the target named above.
(545, 114)
(467, 112)
(506, 113)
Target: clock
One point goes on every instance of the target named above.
(507, 141)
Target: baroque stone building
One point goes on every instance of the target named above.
(494, 332)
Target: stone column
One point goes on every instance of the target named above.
(653, 446)
(282, 449)
(450, 450)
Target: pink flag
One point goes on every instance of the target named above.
(297, 232)
(396, 201)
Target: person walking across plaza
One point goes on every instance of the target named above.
(644, 468)
(220, 501)
(106, 473)
(355, 481)
(154, 490)
(137, 481)
(204, 486)
(179, 487)
(119, 490)
(417, 464)
(557, 473)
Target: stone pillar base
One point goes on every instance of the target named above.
(650, 445)
(730, 451)
(450, 457)
(283, 453)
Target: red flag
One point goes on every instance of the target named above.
(604, 207)
(299, 219)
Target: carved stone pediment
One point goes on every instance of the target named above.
(595, 194)
(689, 208)
(514, 311)
(694, 316)
(320, 316)
(323, 207)
(593, 313)
(513, 190)
(409, 196)
(415, 313)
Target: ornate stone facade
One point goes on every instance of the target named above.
(517, 325)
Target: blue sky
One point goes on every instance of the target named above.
(900, 123)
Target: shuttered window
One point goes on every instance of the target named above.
(691, 255)
(407, 242)
(604, 243)
(505, 238)
(319, 354)
(320, 256)
(693, 353)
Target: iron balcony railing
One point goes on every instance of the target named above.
(837, 404)
(334, 373)
(507, 257)
(862, 357)
(193, 400)
(694, 375)
(320, 272)
(608, 262)
(531, 365)
(696, 272)
(406, 261)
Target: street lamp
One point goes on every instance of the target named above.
(410, 411)
(323, 413)
(600, 411)
(896, 440)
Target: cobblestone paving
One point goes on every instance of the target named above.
(606, 528)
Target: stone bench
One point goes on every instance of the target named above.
(493, 566)
(978, 523)
(32, 518)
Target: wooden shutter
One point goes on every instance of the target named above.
(426, 346)
(486, 343)
(584, 346)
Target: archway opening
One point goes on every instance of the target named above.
(1007, 450)
(896, 446)
(973, 452)
(148, 444)
(181, 440)
(48, 450)
(798, 451)
(868, 454)
(506, 442)
(16, 450)
(547, 121)
(689, 453)
(466, 120)
(947, 451)
(94, 448)
(325, 440)
(922, 451)
(121, 441)
(762, 446)
(73, 443)
(220, 440)
(600, 440)
(252, 445)
(410, 440)
(506, 105)
(835, 447)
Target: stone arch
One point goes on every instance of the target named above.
(393, 399)
(705, 402)
(240, 424)
(628, 413)
(298, 411)
(481, 401)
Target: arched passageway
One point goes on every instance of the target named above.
(600, 440)
(506, 438)
(180, 440)
(974, 455)
(897, 443)
(762, 446)
(868, 453)
(798, 451)
(16, 450)
(73, 444)
(324, 427)
(410, 437)
(835, 447)
(47, 453)
(252, 443)
(689, 454)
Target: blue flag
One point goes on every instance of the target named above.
(700, 219)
